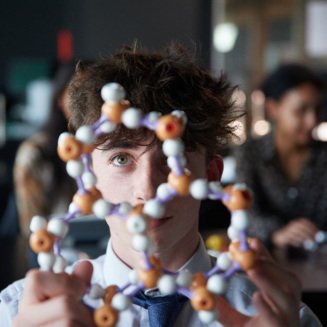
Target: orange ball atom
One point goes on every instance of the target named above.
(169, 127)
(111, 290)
(246, 259)
(114, 110)
(41, 241)
(240, 198)
(84, 202)
(202, 299)
(149, 277)
(198, 280)
(69, 148)
(180, 183)
(105, 316)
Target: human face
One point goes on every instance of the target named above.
(296, 114)
(132, 173)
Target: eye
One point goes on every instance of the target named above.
(121, 160)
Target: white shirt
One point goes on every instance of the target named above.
(109, 269)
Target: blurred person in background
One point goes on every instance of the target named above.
(38, 168)
(286, 169)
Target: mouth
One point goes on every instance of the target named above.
(155, 223)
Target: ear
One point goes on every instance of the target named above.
(215, 168)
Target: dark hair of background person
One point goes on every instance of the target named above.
(287, 77)
(57, 122)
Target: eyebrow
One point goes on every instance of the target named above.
(119, 144)
(125, 144)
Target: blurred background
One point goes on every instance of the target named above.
(245, 39)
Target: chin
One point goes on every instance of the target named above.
(158, 240)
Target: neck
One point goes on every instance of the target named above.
(175, 256)
(172, 256)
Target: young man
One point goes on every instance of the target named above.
(130, 165)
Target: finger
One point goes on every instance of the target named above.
(60, 308)
(270, 272)
(83, 270)
(265, 314)
(296, 239)
(309, 224)
(41, 285)
(281, 288)
(306, 229)
(260, 249)
(227, 315)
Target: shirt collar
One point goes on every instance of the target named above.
(116, 272)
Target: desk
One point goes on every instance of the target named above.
(309, 267)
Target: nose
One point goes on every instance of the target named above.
(147, 179)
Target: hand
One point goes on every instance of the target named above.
(55, 299)
(277, 300)
(295, 233)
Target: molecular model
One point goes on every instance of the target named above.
(201, 288)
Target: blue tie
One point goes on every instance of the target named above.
(162, 310)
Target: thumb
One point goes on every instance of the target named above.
(83, 271)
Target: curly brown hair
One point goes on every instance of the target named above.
(159, 81)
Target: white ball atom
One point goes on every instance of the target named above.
(240, 186)
(172, 161)
(181, 115)
(89, 179)
(310, 245)
(199, 189)
(85, 134)
(164, 190)
(101, 208)
(96, 291)
(153, 117)
(62, 137)
(75, 168)
(184, 278)
(37, 223)
(173, 147)
(154, 209)
(141, 242)
(224, 261)
(136, 224)
(120, 302)
(107, 127)
(240, 220)
(46, 260)
(113, 92)
(124, 208)
(60, 265)
(58, 227)
(215, 189)
(131, 118)
(73, 208)
(216, 284)
(320, 237)
(207, 316)
(233, 233)
(167, 285)
(133, 277)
